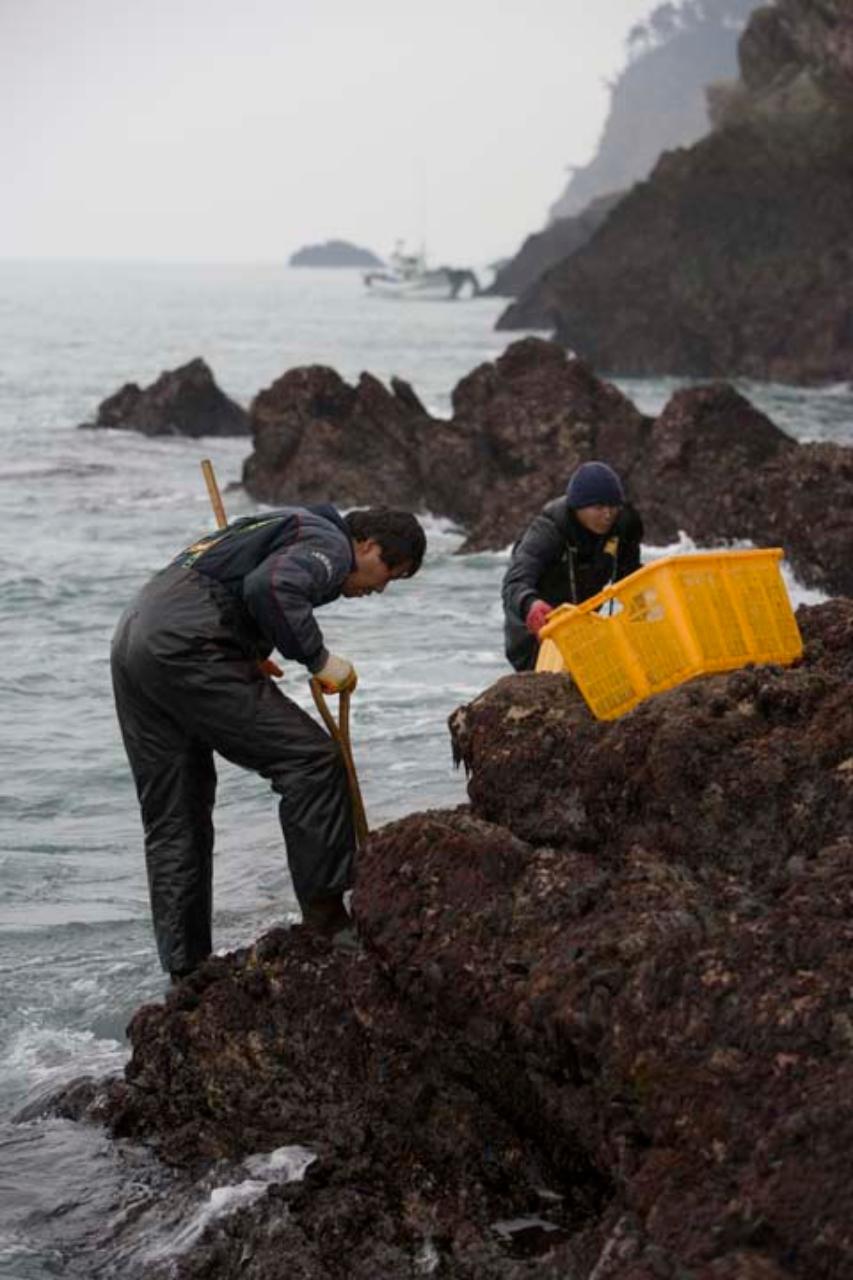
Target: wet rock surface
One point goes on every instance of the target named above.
(711, 464)
(316, 438)
(601, 1015)
(533, 415)
(182, 402)
(734, 257)
(293, 1042)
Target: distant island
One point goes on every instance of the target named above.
(334, 253)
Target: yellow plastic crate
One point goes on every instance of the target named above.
(674, 619)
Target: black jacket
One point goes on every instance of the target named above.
(558, 560)
(279, 566)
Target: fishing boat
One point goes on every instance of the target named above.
(408, 276)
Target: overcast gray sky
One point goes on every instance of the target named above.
(242, 129)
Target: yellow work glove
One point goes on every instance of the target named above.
(337, 676)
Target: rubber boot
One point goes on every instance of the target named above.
(327, 916)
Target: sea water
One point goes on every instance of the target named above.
(85, 518)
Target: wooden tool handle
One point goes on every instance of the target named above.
(213, 491)
(340, 732)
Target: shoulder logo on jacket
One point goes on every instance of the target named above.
(188, 557)
(326, 563)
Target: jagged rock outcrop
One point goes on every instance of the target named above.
(710, 464)
(544, 248)
(610, 1004)
(533, 416)
(182, 402)
(319, 439)
(735, 257)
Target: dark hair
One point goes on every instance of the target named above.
(398, 533)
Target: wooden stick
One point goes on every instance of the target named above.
(213, 491)
(358, 813)
(340, 732)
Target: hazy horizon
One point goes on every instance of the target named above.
(191, 132)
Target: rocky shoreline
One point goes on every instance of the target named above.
(709, 465)
(600, 1025)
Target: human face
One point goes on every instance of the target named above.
(371, 573)
(597, 519)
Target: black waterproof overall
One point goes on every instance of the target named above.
(186, 680)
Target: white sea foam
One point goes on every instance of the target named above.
(48, 1056)
(221, 1203)
(285, 1164)
(426, 1260)
(18, 1250)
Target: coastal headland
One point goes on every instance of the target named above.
(734, 257)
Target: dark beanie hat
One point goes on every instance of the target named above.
(594, 484)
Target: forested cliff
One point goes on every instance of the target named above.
(736, 256)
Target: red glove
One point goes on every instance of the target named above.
(537, 615)
(269, 668)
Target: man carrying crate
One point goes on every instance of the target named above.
(569, 552)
